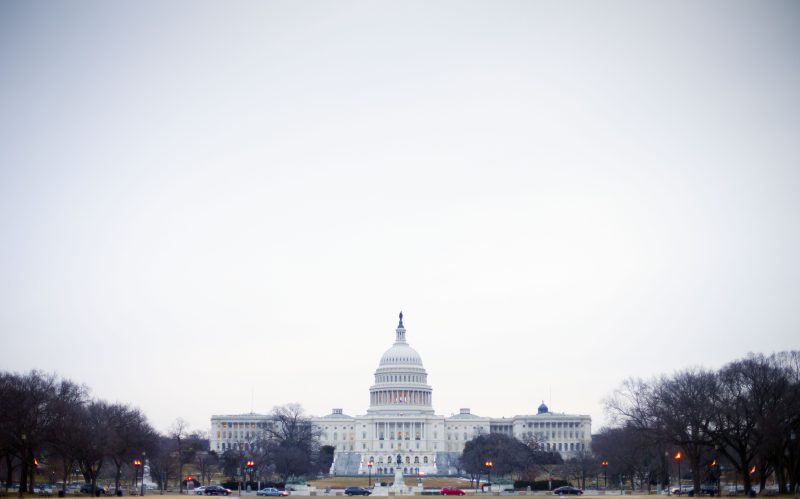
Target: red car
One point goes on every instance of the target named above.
(451, 492)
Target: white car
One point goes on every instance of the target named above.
(199, 490)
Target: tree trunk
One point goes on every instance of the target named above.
(65, 468)
(23, 473)
(118, 474)
(180, 472)
(31, 474)
(9, 470)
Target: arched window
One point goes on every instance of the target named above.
(408, 460)
(425, 459)
(416, 459)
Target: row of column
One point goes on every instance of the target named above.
(406, 430)
(396, 397)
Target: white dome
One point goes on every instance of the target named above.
(400, 354)
(401, 382)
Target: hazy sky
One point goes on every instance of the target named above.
(204, 201)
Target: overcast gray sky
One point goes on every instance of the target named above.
(204, 201)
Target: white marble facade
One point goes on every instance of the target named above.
(401, 423)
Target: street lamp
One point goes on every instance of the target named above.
(604, 464)
(666, 471)
(250, 465)
(24, 439)
(137, 463)
(144, 459)
(678, 457)
(369, 467)
(489, 465)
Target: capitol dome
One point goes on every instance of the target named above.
(400, 380)
(401, 354)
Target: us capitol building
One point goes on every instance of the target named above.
(401, 422)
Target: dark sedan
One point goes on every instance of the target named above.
(566, 490)
(216, 490)
(357, 491)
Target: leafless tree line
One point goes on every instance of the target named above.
(52, 424)
(744, 416)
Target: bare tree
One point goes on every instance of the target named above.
(92, 441)
(163, 465)
(629, 452)
(179, 432)
(676, 410)
(739, 409)
(291, 442)
(68, 412)
(129, 435)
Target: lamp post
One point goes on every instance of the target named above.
(604, 464)
(716, 470)
(250, 465)
(144, 460)
(369, 467)
(666, 471)
(678, 457)
(489, 465)
(22, 475)
(137, 463)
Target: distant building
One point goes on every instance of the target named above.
(401, 423)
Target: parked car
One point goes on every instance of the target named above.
(272, 491)
(708, 489)
(682, 489)
(357, 491)
(216, 490)
(566, 490)
(451, 492)
(86, 488)
(44, 490)
(200, 490)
